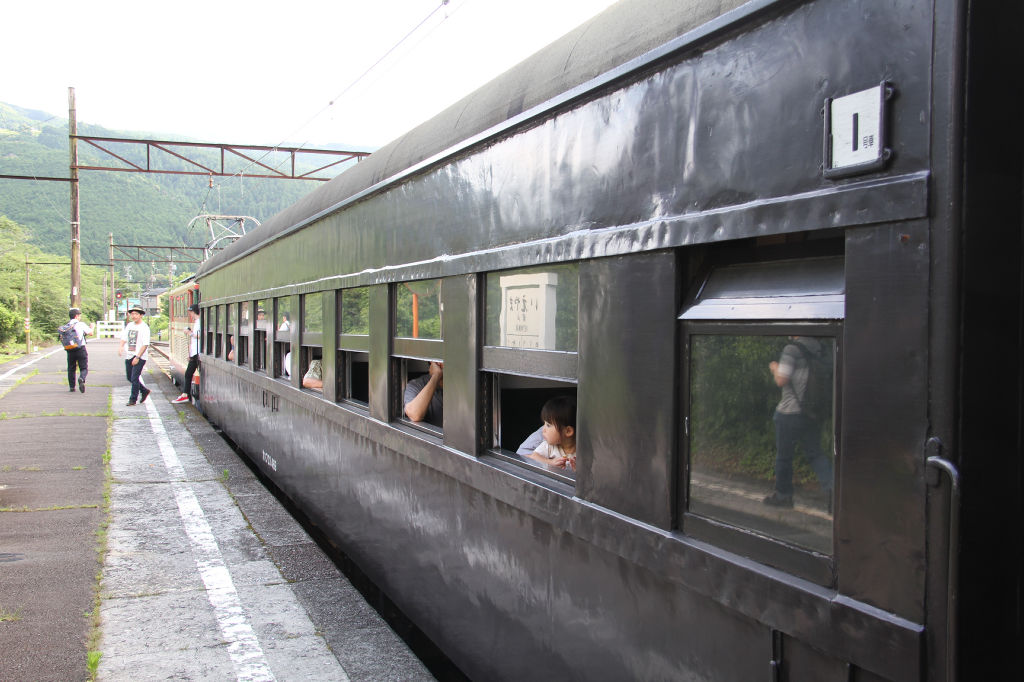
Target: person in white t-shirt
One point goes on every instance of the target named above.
(135, 337)
(78, 358)
(194, 335)
(558, 449)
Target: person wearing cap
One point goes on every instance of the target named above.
(78, 358)
(194, 334)
(135, 336)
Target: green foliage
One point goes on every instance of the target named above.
(139, 209)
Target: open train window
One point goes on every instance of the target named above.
(242, 347)
(529, 358)
(259, 341)
(515, 430)
(209, 325)
(762, 352)
(282, 338)
(417, 362)
(229, 331)
(353, 346)
(311, 341)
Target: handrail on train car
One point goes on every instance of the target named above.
(939, 464)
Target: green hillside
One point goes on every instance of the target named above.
(139, 209)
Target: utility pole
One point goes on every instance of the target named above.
(113, 299)
(28, 311)
(76, 240)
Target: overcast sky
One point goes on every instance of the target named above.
(259, 72)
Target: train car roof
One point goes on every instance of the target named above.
(626, 30)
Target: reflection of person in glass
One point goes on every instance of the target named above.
(423, 396)
(793, 427)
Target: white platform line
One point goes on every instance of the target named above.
(30, 362)
(243, 646)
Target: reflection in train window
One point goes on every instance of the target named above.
(533, 308)
(418, 309)
(762, 434)
(355, 311)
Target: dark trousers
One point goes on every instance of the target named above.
(193, 365)
(134, 374)
(791, 431)
(78, 360)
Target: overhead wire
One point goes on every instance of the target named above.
(341, 94)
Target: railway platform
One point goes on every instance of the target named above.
(135, 544)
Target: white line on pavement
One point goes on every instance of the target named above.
(243, 646)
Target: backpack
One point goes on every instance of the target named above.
(68, 337)
(817, 399)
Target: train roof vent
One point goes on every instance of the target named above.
(799, 289)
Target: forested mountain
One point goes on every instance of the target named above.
(140, 209)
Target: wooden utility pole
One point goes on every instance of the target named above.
(76, 240)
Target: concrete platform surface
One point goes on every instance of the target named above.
(204, 576)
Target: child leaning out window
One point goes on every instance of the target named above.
(558, 449)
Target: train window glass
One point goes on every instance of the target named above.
(515, 431)
(761, 433)
(762, 344)
(533, 308)
(243, 316)
(282, 338)
(418, 309)
(259, 342)
(210, 325)
(312, 313)
(355, 311)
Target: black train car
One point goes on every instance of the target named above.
(671, 215)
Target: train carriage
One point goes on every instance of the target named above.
(179, 299)
(668, 216)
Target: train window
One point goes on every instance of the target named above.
(259, 342)
(515, 432)
(353, 358)
(418, 352)
(418, 309)
(762, 344)
(282, 338)
(229, 330)
(209, 326)
(311, 343)
(533, 308)
(218, 320)
(242, 350)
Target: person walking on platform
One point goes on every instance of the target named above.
(194, 334)
(135, 336)
(78, 358)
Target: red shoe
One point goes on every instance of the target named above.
(181, 399)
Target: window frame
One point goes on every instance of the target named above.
(403, 349)
(801, 561)
(348, 348)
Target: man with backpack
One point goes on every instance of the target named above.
(799, 416)
(72, 337)
(136, 337)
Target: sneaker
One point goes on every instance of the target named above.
(72, 389)
(130, 403)
(181, 399)
(777, 500)
(145, 394)
(81, 385)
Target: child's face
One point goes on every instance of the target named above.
(551, 433)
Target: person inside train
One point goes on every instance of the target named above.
(314, 376)
(423, 397)
(558, 447)
(231, 347)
